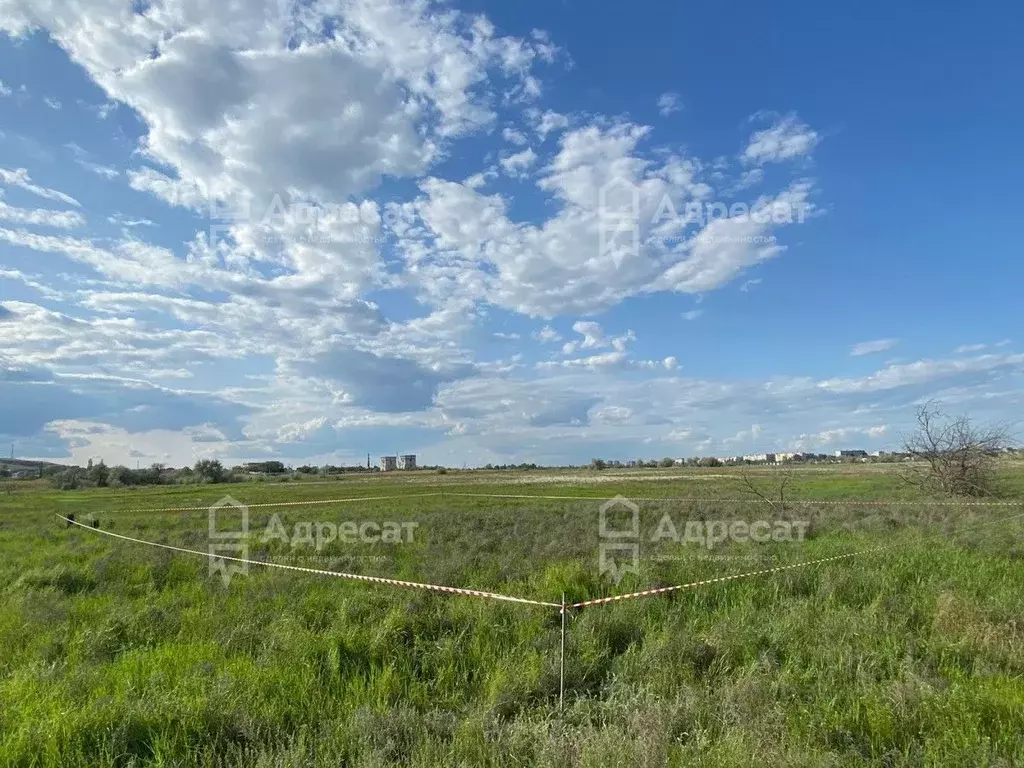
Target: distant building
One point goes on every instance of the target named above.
(794, 456)
(768, 457)
(851, 454)
(388, 463)
(407, 461)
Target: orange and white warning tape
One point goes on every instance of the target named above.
(776, 569)
(793, 502)
(692, 584)
(495, 596)
(601, 499)
(319, 572)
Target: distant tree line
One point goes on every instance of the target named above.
(99, 475)
(205, 471)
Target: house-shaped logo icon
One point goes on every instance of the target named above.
(618, 219)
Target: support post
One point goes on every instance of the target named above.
(561, 662)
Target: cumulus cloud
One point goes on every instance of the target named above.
(787, 138)
(547, 122)
(519, 163)
(595, 338)
(514, 136)
(561, 265)
(387, 384)
(669, 103)
(547, 334)
(366, 299)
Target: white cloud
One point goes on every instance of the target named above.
(52, 103)
(85, 159)
(547, 122)
(749, 178)
(5, 90)
(968, 348)
(669, 103)
(748, 284)
(41, 217)
(921, 372)
(594, 338)
(786, 139)
(19, 178)
(517, 164)
(514, 136)
(298, 334)
(105, 171)
(222, 98)
(692, 314)
(119, 219)
(871, 347)
(556, 266)
(837, 435)
(547, 334)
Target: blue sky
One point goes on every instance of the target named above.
(311, 231)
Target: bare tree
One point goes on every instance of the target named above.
(953, 455)
(770, 487)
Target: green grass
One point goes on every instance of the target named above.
(117, 654)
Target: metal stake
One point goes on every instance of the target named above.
(561, 662)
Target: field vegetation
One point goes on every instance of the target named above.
(119, 654)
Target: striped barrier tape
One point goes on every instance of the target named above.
(776, 569)
(435, 494)
(563, 607)
(794, 502)
(717, 580)
(336, 574)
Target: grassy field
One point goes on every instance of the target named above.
(113, 653)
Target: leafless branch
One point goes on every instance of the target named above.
(953, 456)
(771, 489)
